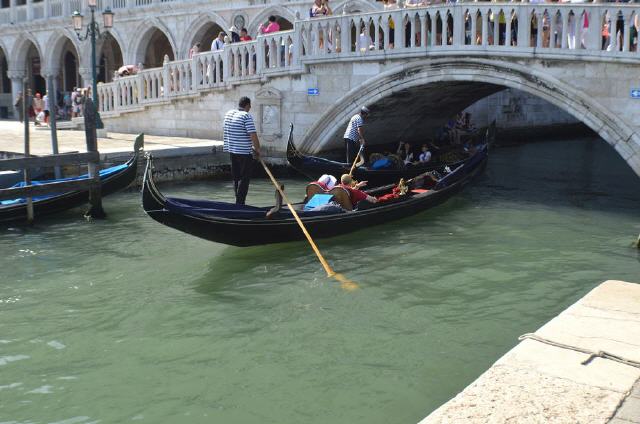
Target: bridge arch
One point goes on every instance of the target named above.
(150, 48)
(204, 29)
(489, 75)
(63, 59)
(26, 56)
(277, 11)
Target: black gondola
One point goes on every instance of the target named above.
(112, 179)
(248, 225)
(313, 166)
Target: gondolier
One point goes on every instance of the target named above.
(241, 141)
(354, 134)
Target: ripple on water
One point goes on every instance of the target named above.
(4, 360)
(41, 390)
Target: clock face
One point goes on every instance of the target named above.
(238, 21)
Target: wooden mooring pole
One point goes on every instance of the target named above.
(95, 195)
(27, 147)
(53, 104)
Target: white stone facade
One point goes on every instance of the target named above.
(35, 36)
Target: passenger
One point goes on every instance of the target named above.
(327, 182)
(405, 153)
(425, 156)
(355, 194)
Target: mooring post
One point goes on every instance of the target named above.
(53, 103)
(95, 196)
(27, 147)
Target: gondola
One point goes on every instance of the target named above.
(112, 179)
(313, 167)
(236, 225)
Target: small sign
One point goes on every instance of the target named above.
(313, 91)
(635, 93)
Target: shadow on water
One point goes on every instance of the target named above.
(578, 173)
(234, 269)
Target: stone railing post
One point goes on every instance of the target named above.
(297, 45)
(594, 31)
(226, 64)
(345, 33)
(29, 10)
(458, 27)
(47, 9)
(260, 54)
(524, 26)
(195, 78)
(398, 18)
(166, 75)
(485, 27)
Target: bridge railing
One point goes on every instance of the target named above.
(572, 32)
(544, 28)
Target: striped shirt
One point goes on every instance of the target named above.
(355, 122)
(237, 126)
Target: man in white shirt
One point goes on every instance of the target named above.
(354, 133)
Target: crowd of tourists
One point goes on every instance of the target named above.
(39, 108)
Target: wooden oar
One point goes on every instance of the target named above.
(356, 160)
(345, 282)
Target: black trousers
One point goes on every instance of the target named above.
(241, 168)
(352, 148)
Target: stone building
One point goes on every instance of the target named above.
(37, 39)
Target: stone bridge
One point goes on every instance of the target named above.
(414, 68)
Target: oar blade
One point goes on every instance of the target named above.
(345, 283)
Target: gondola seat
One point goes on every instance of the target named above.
(342, 197)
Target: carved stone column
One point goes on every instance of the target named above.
(16, 77)
(85, 74)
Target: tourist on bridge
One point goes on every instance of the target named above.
(218, 43)
(354, 134)
(241, 141)
(272, 26)
(194, 50)
(244, 35)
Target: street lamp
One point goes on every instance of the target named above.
(93, 31)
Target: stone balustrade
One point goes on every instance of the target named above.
(546, 31)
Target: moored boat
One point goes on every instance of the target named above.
(112, 179)
(242, 225)
(313, 166)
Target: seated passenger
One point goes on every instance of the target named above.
(353, 188)
(425, 156)
(327, 181)
(405, 153)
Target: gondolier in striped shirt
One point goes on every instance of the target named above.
(354, 135)
(241, 141)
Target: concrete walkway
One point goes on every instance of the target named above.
(539, 383)
(12, 140)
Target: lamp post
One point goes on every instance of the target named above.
(93, 31)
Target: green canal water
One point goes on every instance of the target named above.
(129, 321)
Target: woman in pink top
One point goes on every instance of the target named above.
(272, 26)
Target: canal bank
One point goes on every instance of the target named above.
(176, 158)
(582, 366)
